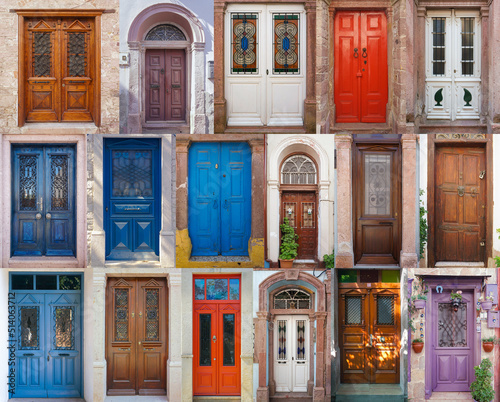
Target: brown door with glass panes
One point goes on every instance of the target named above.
(59, 68)
(369, 335)
(136, 336)
(300, 209)
(377, 187)
(460, 204)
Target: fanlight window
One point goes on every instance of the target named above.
(292, 299)
(298, 169)
(165, 32)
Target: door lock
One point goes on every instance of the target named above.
(48, 357)
(162, 71)
(214, 339)
(483, 243)
(382, 339)
(140, 314)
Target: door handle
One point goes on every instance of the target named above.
(63, 354)
(356, 55)
(215, 204)
(364, 53)
(48, 357)
(214, 338)
(176, 86)
(48, 215)
(28, 354)
(38, 216)
(226, 205)
(461, 191)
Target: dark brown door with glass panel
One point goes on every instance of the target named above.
(136, 336)
(377, 189)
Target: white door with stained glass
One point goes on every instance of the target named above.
(265, 65)
(453, 64)
(291, 363)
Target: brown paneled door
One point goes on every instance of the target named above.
(165, 85)
(300, 209)
(460, 204)
(136, 336)
(377, 186)
(370, 335)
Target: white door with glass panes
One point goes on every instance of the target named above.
(453, 68)
(291, 364)
(265, 65)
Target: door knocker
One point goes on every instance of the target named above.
(356, 53)
(461, 191)
(364, 53)
(482, 174)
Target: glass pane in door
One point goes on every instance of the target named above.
(377, 184)
(452, 325)
(29, 328)
(228, 358)
(132, 173)
(282, 339)
(385, 310)
(121, 314)
(205, 339)
(353, 310)
(64, 337)
(438, 45)
(301, 339)
(59, 177)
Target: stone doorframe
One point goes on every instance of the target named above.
(194, 46)
(79, 142)
(435, 140)
(344, 205)
(449, 283)
(220, 103)
(96, 196)
(264, 332)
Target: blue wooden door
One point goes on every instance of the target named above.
(132, 199)
(219, 198)
(43, 201)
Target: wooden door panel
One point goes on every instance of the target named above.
(155, 85)
(176, 85)
(204, 362)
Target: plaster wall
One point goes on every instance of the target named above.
(496, 194)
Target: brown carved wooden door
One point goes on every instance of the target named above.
(165, 85)
(460, 204)
(377, 187)
(301, 210)
(60, 71)
(370, 335)
(136, 336)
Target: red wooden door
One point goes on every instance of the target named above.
(360, 66)
(216, 335)
(460, 204)
(165, 85)
(300, 209)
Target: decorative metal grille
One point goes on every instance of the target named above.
(467, 46)
(385, 310)
(286, 43)
(452, 326)
(77, 54)
(282, 339)
(353, 310)
(29, 328)
(121, 314)
(244, 43)
(132, 173)
(298, 169)
(377, 184)
(438, 45)
(64, 328)
(290, 213)
(301, 339)
(292, 299)
(308, 220)
(42, 54)
(59, 182)
(28, 182)
(165, 32)
(152, 315)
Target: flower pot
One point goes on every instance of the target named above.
(286, 263)
(486, 305)
(417, 347)
(488, 346)
(419, 304)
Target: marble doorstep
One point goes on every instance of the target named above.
(451, 396)
(369, 389)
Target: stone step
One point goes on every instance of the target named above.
(265, 129)
(370, 398)
(290, 397)
(362, 128)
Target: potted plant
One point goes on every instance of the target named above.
(417, 345)
(481, 389)
(489, 343)
(329, 260)
(487, 302)
(419, 297)
(289, 245)
(456, 299)
(419, 301)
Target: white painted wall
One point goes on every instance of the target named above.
(496, 192)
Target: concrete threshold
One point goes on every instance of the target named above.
(220, 258)
(452, 264)
(369, 392)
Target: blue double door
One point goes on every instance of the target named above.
(219, 198)
(43, 200)
(132, 199)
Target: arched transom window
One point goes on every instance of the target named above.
(165, 32)
(298, 169)
(292, 299)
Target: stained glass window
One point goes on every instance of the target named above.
(29, 317)
(244, 43)
(63, 317)
(377, 184)
(438, 45)
(77, 54)
(282, 339)
(59, 182)
(121, 314)
(353, 310)
(228, 349)
(132, 173)
(217, 289)
(199, 289)
(308, 220)
(286, 43)
(234, 289)
(205, 340)
(385, 310)
(452, 326)
(165, 32)
(298, 169)
(301, 340)
(291, 299)
(467, 46)
(28, 183)
(42, 54)
(152, 315)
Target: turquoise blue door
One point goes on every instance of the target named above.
(132, 199)
(43, 201)
(219, 198)
(48, 334)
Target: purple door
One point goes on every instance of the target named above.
(452, 342)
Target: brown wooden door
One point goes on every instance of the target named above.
(301, 210)
(377, 187)
(60, 55)
(370, 336)
(136, 336)
(460, 204)
(165, 85)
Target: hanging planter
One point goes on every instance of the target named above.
(487, 302)
(488, 344)
(417, 345)
(456, 299)
(419, 304)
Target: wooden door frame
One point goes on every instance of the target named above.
(458, 140)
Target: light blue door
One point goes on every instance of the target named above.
(219, 198)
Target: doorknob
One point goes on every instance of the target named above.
(214, 338)
(356, 53)
(48, 215)
(38, 216)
